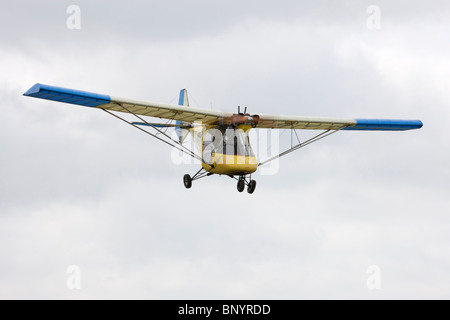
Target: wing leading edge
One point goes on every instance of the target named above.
(210, 117)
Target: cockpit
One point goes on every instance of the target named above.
(228, 141)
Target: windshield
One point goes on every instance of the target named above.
(230, 141)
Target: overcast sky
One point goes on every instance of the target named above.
(80, 188)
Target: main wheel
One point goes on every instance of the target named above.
(241, 185)
(187, 180)
(251, 186)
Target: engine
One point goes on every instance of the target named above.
(241, 118)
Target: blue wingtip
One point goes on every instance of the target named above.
(72, 96)
(386, 125)
(33, 90)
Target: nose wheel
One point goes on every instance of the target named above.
(242, 182)
(251, 186)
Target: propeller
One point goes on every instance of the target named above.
(239, 110)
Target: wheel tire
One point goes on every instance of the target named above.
(251, 186)
(187, 180)
(241, 185)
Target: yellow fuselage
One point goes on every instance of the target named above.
(231, 164)
(226, 150)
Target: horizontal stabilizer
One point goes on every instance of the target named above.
(159, 125)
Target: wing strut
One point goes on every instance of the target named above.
(301, 145)
(175, 144)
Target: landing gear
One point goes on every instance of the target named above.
(251, 186)
(241, 184)
(187, 180)
(242, 180)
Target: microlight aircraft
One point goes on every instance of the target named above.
(222, 137)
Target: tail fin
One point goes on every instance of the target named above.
(183, 101)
